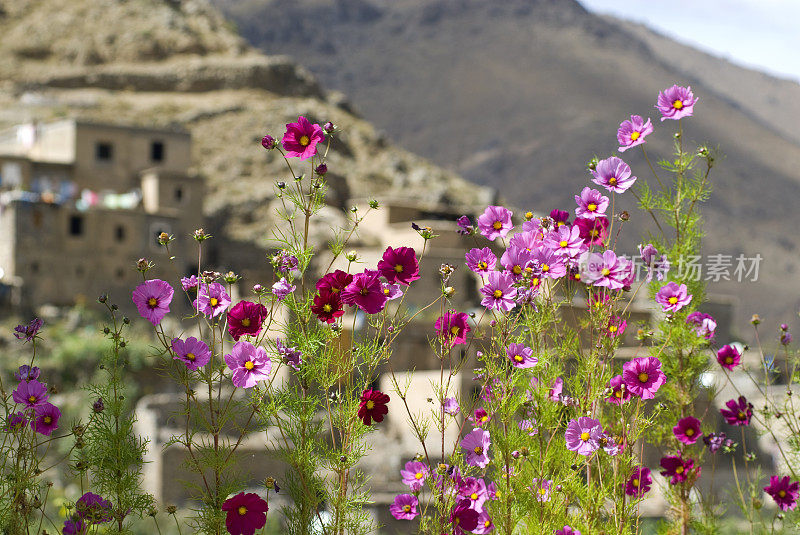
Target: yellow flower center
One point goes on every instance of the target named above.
(386, 291)
(473, 496)
(363, 291)
(326, 307)
(643, 377)
(406, 508)
(612, 181)
(528, 215)
(242, 510)
(618, 393)
(679, 470)
(728, 360)
(213, 301)
(483, 265)
(678, 104)
(742, 416)
(418, 475)
(517, 270)
(498, 294)
(47, 420)
(32, 399)
(542, 491)
(591, 207)
(478, 450)
(606, 272)
(612, 328)
(585, 436)
(497, 225)
(487, 523)
(635, 482)
(689, 432)
(370, 405)
(594, 233)
(560, 224)
(152, 302)
(304, 141)
(455, 330)
(246, 322)
(535, 281)
(782, 493)
(518, 358)
(672, 300)
(484, 418)
(398, 268)
(249, 365)
(563, 243)
(545, 267)
(577, 276)
(190, 356)
(635, 136)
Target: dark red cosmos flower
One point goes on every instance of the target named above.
(463, 517)
(739, 411)
(246, 513)
(452, 327)
(327, 306)
(593, 231)
(373, 406)
(335, 282)
(784, 491)
(246, 318)
(677, 468)
(399, 265)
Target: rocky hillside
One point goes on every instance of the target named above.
(179, 63)
(519, 94)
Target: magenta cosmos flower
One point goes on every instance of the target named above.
(593, 231)
(516, 261)
(249, 364)
(30, 393)
(289, 355)
(728, 357)
(521, 356)
(643, 376)
(27, 373)
(591, 203)
(704, 324)
(193, 352)
(541, 489)
(739, 411)
(152, 299)
(499, 292)
(583, 435)
(373, 406)
(566, 530)
(334, 282)
(29, 330)
(301, 138)
(399, 265)
(495, 222)
(93, 508)
(673, 297)
(654, 264)
(481, 260)
(212, 299)
(784, 491)
(45, 419)
(639, 482)
(450, 406)
(607, 270)
(687, 430)
(616, 327)
(619, 392)
(566, 241)
(476, 447)
(365, 292)
(404, 507)
(613, 174)
(676, 102)
(632, 132)
(452, 328)
(676, 468)
(414, 474)
(245, 513)
(246, 318)
(463, 518)
(551, 266)
(282, 289)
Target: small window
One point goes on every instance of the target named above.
(120, 273)
(76, 225)
(34, 268)
(103, 151)
(119, 233)
(37, 218)
(157, 151)
(178, 194)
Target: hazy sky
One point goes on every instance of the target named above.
(756, 33)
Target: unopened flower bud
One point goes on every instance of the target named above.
(321, 169)
(268, 142)
(329, 127)
(755, 319)
(231, 277)
(98, 406)
(374, 204)
(528, 216)
(152, 511)
(103, 298)
(200, 235)
(515, 454)
(281, 185)
(449, 291)
(164, 238)
(142, 265)
(592, 164)
(269, 482)
(624, 216)
(171, 509)
(351, 256)
(257, 289)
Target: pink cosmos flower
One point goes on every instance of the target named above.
(728, 357)
(784, 491)
(613, 174)
(676, 102)
(481, 260)
(452, 328)
(212, 299)
(451, 407)
(282, 289)
(593, 231)
(476, 447)
(474, 490)
(485, 524)
(583, 435)
(559, 217)
(27, 373)
(465, 227)
(632, 132)
(551, 266)
(606, 270)
(245, 513)
(676, 468)
(193, 352)
(566, 242)
(30, 393)
(365, 292)
(404, 507)
(249, 364)
(704, 325)
(521, 356)
(654, 264)
(289, 355)
(528, 426)
(591, 203)
(688, 430)
(616, 327)
(673, 297)
(566, 530)
(643, 376)
(619, 392)
(189, 283)
(527, 239)
(152, 299)
(45, 419)
(391, 291)
(301, 138)
(246, 318)
(495, 222)
(639, 482)
(556, 389)
(499, 292)
(516, 261)
(739, 411)
(480, 417)
(414, 474)
(541, 489)
(399, 265)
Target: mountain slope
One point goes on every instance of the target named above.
(519, 95)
